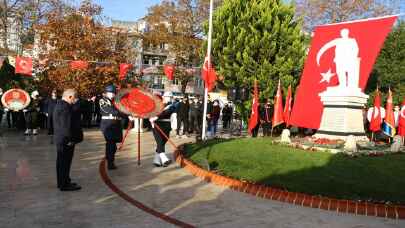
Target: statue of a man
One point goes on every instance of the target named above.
(346, 59)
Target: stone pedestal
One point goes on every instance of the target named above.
(342, 114)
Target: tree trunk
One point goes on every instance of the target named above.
(5, 25)
(184, 86)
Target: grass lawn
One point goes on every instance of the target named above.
(377, 179)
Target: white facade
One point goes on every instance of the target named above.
(13, 35)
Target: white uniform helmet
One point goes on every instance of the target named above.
(34, 94)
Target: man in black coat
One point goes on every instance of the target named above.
(182, 116)
(51, 103)
(66, 135)
(266, 113)
(226, 116)
(110, 125)
(195, 113)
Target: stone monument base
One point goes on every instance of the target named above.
(342, 114)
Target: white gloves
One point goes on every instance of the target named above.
(6, 110)
(152, 121)
(131, 118)
(25, 110)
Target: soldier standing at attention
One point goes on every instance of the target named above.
(110, 125)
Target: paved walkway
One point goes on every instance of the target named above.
(29, 198)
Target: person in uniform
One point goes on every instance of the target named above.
(66, 135)
(110, 125)
(266, 114)
(163, 122)
(31, 114)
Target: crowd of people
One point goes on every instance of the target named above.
(65, 116)
(38, 115)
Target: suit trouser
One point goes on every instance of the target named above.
(255, 131)
(63, 163)
(50, 125)
(266, 129)
(184, 120)
(194, 127)
(159, 138)
(110, 150)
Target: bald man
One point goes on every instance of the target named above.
(66, 135)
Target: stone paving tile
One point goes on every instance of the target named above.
(29, 198)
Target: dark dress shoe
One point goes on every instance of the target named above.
(70, 188)
(157, 165)
(71, 184)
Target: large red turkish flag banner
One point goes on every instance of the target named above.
(23, 65)
(124, 68)
(169, 71)
(330, 43)
(79, 65)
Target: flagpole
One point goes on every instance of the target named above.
(203, 136)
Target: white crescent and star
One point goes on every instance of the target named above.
(403, 112)
(327, 76)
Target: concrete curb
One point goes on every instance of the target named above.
(305, 200)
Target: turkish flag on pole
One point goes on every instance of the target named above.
(389, 120)
(169, 71)
(375, 122)
(1, 61)
(208, 74)
(23, 65)
(278, 116)
(124, 68)
(79, 65)
(254, 115)
(401, 121)
(287, 108)
(361, 39)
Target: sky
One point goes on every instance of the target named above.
(132, 10)
(126, 10)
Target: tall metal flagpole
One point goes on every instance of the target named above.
(204, 137)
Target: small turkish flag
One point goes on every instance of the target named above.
(79, 65)
(169, 71)
(388, 125)
(23, 65)
(208, 74)
(287, 108)
(376, 119)
(278, 116)
(401, 121)
(254, 115)
(1, 61)
(124, 68)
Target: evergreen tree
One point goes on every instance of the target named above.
(389, 70)
(258, 39)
